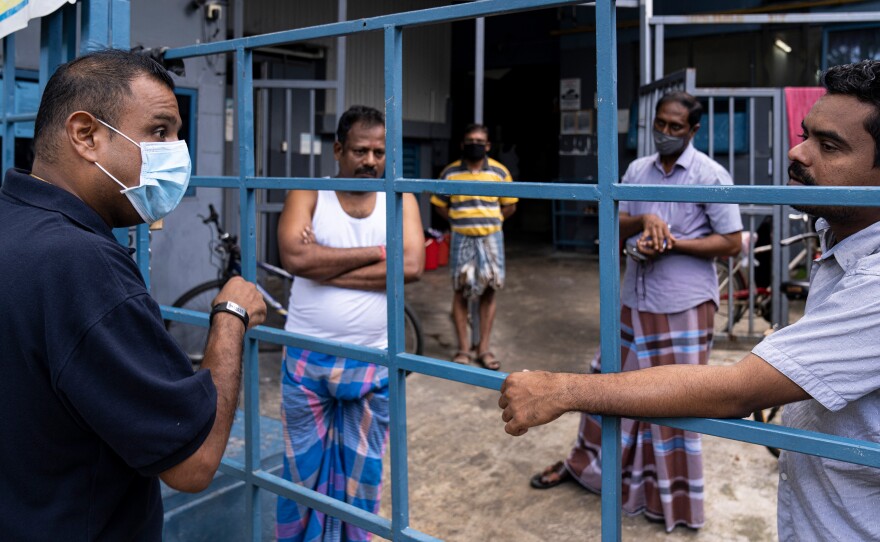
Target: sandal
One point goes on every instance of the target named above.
(492, 363)
(542, 480)
(462, 357)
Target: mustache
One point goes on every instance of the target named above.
(798, 172)
(367, 170)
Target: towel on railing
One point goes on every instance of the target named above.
(798, 101)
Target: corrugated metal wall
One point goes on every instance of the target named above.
(426, 51)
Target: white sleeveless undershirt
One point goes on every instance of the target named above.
(342, 314)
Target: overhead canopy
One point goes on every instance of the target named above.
(15, 14)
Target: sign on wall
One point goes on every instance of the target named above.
(570, 94)
(15, 14)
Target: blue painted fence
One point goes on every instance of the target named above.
(103, 16)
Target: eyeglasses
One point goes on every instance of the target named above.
(475, 141)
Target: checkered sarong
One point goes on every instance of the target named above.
(476, 263)
(335, 416)
(662, 466)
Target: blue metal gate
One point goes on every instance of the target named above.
(106, 15)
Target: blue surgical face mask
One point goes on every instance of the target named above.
(165, 171)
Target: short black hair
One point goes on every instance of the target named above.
(368, 116)
(99, 83)
(475, 127)
(693, 105)
(860, 80)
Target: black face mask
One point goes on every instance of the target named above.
(473, 151)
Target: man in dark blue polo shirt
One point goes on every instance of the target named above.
(97, 400)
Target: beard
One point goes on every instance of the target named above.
(831, 213)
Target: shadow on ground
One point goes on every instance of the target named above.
(468, 480)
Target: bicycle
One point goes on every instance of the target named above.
(798, 288)
(795, 287)
(274, 285)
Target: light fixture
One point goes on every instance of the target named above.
(786, 48)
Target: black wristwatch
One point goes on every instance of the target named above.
(231, 308)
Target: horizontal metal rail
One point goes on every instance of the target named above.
(446, 14)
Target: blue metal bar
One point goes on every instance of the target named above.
(394, 275)
(51, 34)
(860, 452)
(772, 195)
(105, 23)
(445, 14)
(248, 237)
(609, 257)
(8, 101)
(563, 191)
(454, 372)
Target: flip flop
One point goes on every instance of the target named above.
(492, 365)
(462, 357)
(562, 476)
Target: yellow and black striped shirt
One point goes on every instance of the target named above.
(474, 215)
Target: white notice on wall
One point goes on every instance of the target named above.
(622, 121)
(570, 94)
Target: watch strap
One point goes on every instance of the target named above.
(232, 308)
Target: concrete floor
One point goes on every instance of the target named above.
(469, 480)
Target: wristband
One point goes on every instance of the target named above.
(384, 254)
(231, 308)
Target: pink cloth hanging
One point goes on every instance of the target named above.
(798, 101)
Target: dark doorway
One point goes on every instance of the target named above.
(520, 105)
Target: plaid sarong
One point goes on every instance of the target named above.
(662, 466)
(335, 416)
(476, 263)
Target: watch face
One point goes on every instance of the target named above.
(236, 307)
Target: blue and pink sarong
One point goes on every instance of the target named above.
(335, 416)
(662, 466)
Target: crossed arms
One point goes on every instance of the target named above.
(360, 268)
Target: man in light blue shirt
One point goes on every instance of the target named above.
(825, 367)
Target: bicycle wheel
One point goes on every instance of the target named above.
(739, 305)
(769, 415)
(192, 339)
(413, 331)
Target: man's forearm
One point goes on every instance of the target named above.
(320, 263)
(712, 246)
(535, 398)
(370, 277)
(223, 359)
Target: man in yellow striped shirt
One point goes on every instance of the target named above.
(476, 256)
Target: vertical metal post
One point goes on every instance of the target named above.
(658, 52)
(311, 132)
(288, 131)
(51, 27)
(106, 23)
(70, 27)
(609, 259)
(751, 260)
(479, 68)
(779, 313)
(8, 101)
(711, 152)
(646, 10)
(394, 275)
(247, 202)
(342, 14)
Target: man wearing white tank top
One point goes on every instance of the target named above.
(334, 409)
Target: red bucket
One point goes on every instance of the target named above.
(443, 251)
(432, 253)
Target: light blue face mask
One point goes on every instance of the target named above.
(165, 171)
